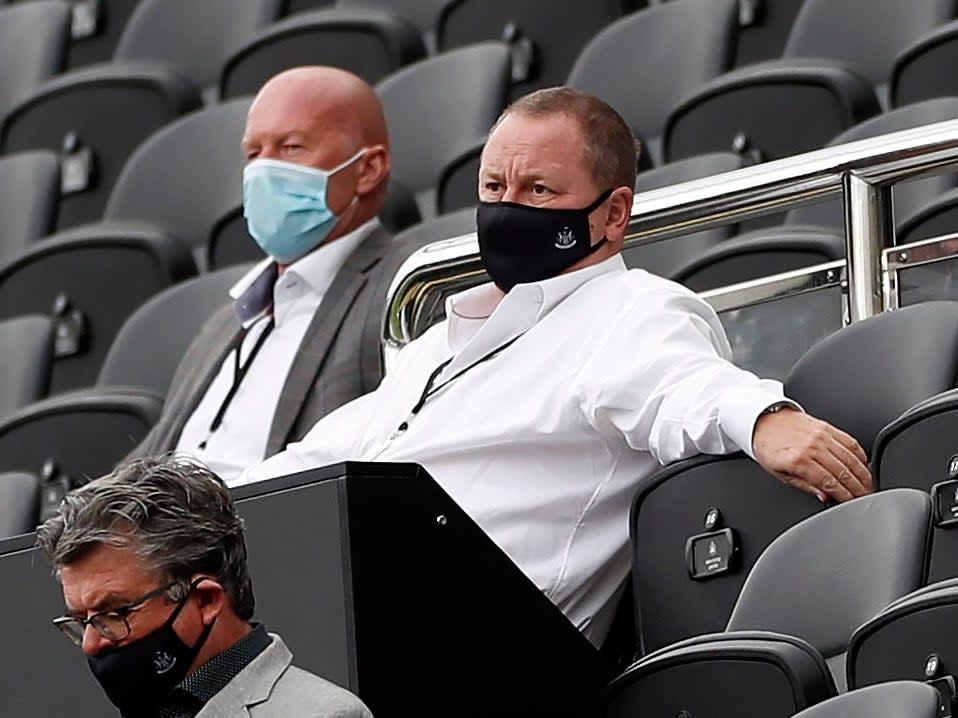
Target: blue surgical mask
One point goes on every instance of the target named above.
(286, 207)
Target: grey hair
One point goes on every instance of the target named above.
(174, 513)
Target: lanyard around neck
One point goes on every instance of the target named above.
(431, 389)
(239, 373)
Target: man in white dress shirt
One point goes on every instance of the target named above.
(547, 394)
(301, 335)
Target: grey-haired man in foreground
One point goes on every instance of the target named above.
(152, 560)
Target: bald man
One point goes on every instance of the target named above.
(300, 336)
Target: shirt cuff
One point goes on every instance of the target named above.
(740, 408)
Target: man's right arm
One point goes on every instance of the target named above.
(334, 438)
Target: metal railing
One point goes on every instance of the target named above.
(862, 173)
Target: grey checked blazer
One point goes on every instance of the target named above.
(338, 360)
(271, 686)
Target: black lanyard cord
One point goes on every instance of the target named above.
(430, 389)
(239, 373)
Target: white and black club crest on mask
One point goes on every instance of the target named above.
(565, 239)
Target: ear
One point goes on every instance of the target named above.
(619, 213)
(373, 169)
(210, 597)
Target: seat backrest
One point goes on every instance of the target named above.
(29, 191)
(25, 358)
(194, 38)
(90, 280)
(19, 503)
(758, 254)
(33, 46)
(899, 699)
(674, 512)
(921, 71)
(164, 183)
(764, 33)
(639, 46)
(865, 35)
(545, 44)
(367, 42)
(827, 575)
(439, 108)
(154, 339)
(869, 373)
(97, 27)
(664, 258)
(910, 196)
(424, 14)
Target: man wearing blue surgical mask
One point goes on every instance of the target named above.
(299, 337)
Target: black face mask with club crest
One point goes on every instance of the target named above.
(519, 243)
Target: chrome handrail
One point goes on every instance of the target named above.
(861, 172)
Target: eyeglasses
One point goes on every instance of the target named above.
(111, 624)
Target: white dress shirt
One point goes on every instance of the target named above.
(614, 373)
(240, 441)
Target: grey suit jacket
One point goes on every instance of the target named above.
(271, 686)
(338, 360)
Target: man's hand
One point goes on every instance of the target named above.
(811, 455)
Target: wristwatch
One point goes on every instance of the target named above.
(776, 407)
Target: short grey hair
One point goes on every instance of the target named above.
(176, 515)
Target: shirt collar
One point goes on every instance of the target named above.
(525, 305)
(253, 294)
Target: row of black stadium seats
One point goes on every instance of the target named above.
(544, 43)
(54, 118)
(839, 601)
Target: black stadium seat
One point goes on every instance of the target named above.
(90, 279)
(27, 353)
(643, 47)
(201, 201)
(909, 197)
(424, 14)
(910, 639)
(900, 699)
(760, 253)
(29, 191)
(192, 38)
(764, 28)
(152, 341)
(544, 44)
(867, 375)
(924, 70)
(825, 83)
(842, 380)
(128, 395)
(82, 441)
(673, 507)
(368, 42)
(33, 47)
(439, 112)
(663, 258)
(96, 29)
(19, 503)
(93, 119)
(768, 339)
(917, 450)
(816, 583)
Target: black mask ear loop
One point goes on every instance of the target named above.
(593, 248)
(197, 647)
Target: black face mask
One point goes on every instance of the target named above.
(520, 244)
(137, 675)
